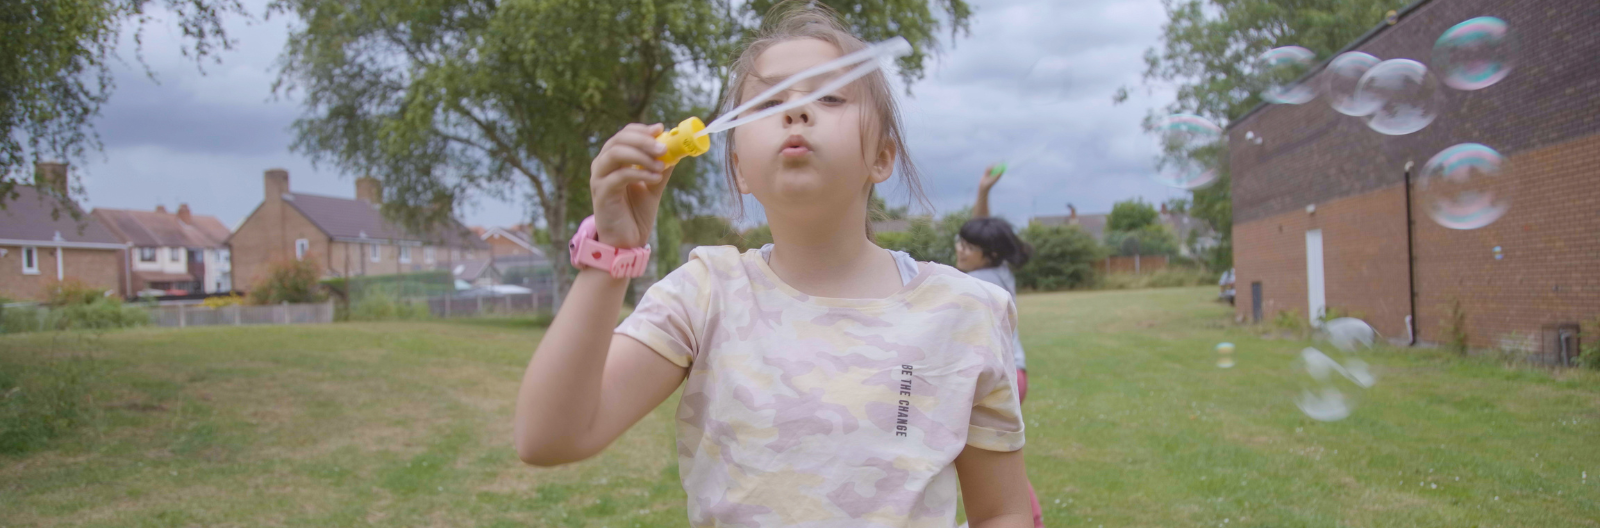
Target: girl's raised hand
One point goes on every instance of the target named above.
(990, 177)
(625, 182)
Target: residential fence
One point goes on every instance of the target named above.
(1133, 264)
(186, 315)
(475, 303)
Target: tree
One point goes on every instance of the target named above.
(927, 240)
(1150, 239)
(54, 74)
(1208, 49)
(454, 97)
(1131, 215)
(1063, 257)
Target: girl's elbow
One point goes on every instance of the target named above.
(544, 454)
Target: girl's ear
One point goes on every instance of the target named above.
(883, 165)
(738, 176)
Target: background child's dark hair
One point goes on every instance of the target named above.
(995, 239)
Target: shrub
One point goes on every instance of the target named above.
(99, 315)
(71, 292)
(223, 301)
(1164, 278)
(1292, 322)
(382, 307)
(19, 319)
(1063, 257)
(1454, 328)
(289, 281)
(1589, 352)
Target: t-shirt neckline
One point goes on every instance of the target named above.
(753, 257)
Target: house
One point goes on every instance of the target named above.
(41, 243)
(172, 252)
(505, 242)
(1329, 214)
(1093, 224)
(345, 237)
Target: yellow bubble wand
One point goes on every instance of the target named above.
(693, 138)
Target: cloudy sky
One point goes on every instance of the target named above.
(1032, 84)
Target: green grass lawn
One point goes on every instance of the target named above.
(1130, 424)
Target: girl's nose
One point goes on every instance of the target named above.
(797, 115)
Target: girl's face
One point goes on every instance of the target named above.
(969, 257)
(809, 159)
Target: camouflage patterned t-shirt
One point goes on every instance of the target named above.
(811, 411)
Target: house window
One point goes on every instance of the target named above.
(197, 256)
(374, 252)
(30, 260)
(405, 254)
(147, 254)
(301, 246)
(427, 255)
(175, 254)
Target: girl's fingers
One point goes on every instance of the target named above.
(620, 178)
(624, 157)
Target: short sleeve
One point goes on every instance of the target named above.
(672, 314)
(996, 423)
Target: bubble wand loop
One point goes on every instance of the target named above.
(692, 137)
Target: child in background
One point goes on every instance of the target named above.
(988, 249)
(826, 381)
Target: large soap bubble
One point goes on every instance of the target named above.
(1475, 54)
(1465, 186)
(1341, 80)
(1408, 95)
(1190, 145)
(1281, 70)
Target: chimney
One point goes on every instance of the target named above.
(161, 209)
(183, 213)
(52, 175)
(369, 190)
(1072, 212)
(1163, 208)
(277, 184)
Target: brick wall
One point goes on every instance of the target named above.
(268, 236)
(100, 268)
(1545, 117)
(1364, 260)
(1550, 242)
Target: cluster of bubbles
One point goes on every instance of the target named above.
(1324, 396)
(1225, 355)
(1466, 186)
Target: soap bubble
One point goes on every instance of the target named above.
(1320, 395)
(1280, 70)
(1465, 186)
(1224, 348)
(1225, 362)
(1349, 334)
(1332, 387)
(1391, 17)
(1409, 96)
(1475, 54)
(1341, 80)
(1226, 351)
(1189, 144)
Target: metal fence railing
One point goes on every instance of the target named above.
(185, 315)
(471, 305)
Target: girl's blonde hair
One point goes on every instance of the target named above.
(792, 20)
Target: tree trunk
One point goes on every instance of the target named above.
(561, 265)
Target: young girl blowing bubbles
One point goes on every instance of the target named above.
(827, 381)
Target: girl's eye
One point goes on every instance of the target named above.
(768, 104)
(832, 99)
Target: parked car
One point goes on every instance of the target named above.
(1226, 283)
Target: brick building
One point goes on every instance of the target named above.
(347, 237)
(1326, 215)
(177, 252)
(41, 243)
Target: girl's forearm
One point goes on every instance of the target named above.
(560, 392)
(981, 209)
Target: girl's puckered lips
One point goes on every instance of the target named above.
(795, 146)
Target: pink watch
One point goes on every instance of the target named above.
(588, 252)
